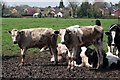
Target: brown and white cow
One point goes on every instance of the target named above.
(75, 37)
(35, 38)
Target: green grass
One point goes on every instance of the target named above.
(8, 48)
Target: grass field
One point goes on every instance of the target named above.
(8, 48)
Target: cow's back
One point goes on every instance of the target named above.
(36, 37)
(91, 33)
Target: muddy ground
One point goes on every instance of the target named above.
(39, 66)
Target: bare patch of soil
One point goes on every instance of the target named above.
(39, 66)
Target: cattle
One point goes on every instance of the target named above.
(113, 61)
(89, 58)
(114, 39)
(86, 56)
(35, 38)
(62, 53)
(75, 37)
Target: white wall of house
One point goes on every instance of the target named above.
(36, 15)
(113, 14)
(59, 14)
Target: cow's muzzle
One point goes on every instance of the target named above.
(15, 42)
(112, 44)
(62, 42)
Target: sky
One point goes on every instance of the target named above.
(46, 3)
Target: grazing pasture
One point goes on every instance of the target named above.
(38, 63)
(8, 48)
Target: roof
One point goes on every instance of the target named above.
(116, 13)
(31, 10)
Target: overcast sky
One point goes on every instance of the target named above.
(45, 3)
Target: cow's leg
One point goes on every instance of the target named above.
(50, 51)
(99, 49)
(69, 60)
(86, 62)
(82, 55)
(54, 52)
(53, 46)
(84, 58)
(118, 51)
(73, 56)
(52, 59)
(43, 49)
(98, 63)
(108, 48)
(114, 50)
(22, 56)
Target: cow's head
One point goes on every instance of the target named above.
(112, 35)
(65, 35)
(15, 34)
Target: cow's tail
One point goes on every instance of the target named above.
(98, 22)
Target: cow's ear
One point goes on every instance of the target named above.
(21, 32)
(9, 32)
(56, 32)
(68, 31)
(107, 33)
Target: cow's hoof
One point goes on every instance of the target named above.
(72, 68)
(99, 67)
(21, 64)
(52, 61)
(56, 63)
(68, 68)
(81, 65)
(89, 66)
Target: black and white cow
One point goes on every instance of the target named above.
(114, 39)
(77, 36)
(90, 58)
(86, 57)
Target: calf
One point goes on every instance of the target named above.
(76, 37)
(62, 53)
(114, 39)
(35, 38)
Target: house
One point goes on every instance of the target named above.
(30, 11)
(116, 13)
(59, 14)
(13, 11)
(104, 11)
(52, 12)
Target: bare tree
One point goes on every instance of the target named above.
(74, 5)
(3, 9)
(2, 5)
